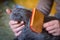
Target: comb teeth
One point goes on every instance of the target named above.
(36, 21)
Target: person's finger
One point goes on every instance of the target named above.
(17, 25)
(19, 28)
(50, 23)
(53, 31)
(51, 27)
(17, 34)
(12, 22)
(55, 34)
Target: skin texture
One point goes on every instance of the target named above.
(53, 27)
(17, 27)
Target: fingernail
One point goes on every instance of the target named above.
(16, 22)
(22, 21)
(23, 25)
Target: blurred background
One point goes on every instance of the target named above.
(5, 31)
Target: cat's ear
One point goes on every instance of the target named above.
(8, 11)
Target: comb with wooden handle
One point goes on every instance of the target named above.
(37, 20)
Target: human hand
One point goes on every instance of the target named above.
(53, 27)
(16, 27)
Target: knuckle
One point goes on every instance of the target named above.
(47, 29)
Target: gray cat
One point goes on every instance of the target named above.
(21, 14)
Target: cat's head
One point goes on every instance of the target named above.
(20, 14)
